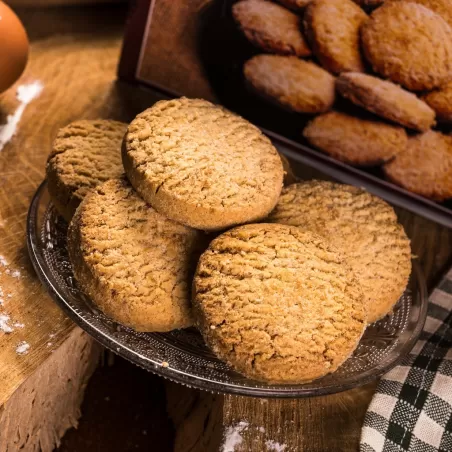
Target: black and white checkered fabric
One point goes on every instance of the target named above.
(412, 407)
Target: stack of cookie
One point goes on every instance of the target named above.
(406, 49)
(281, 282)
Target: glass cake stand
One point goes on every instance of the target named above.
(182, 356)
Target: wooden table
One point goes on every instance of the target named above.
(74, 54)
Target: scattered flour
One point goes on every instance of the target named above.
(22, 348)
(4, 324)
(19, 325)
(233, 436)
(2, 300)
(273, 446)
(3, 261)
(16, 274)
(25, 94)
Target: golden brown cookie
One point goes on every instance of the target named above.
(410, 44)
(135, 264)
(441, 101)
(332, 29)
(291, 83)
(441, 7)
(386, 99)
(363, 227)
(277, 303)
(354, 140)
(85, 153)
(425, 167)
(295, 5)
(271, 27)
(201, 165)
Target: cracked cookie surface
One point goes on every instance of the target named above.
(277, 303)
(409, 44)
(425, 166)
(85, 154)
(386, 99)
(201, 165)
(332, 28)
(363, 227)
(271, 27)
(135, 264)
(354, 140)
(291, 83)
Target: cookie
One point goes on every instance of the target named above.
(135, 264)
(201, 165)
(363, 227)
(291, 83)
(295, 5)
(409, 44)
(441, 101)
(441, 7)
(85, 153)
(332, 29)
(271, 27)
(277, 303)
(354, 140)
(425, 167)
(386, 99)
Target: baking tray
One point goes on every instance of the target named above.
(222, 51)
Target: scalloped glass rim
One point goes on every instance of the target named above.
(182, 357)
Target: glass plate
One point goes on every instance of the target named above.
(182, 356)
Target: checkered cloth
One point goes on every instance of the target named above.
(412, 408)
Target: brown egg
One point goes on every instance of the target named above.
(13, 47)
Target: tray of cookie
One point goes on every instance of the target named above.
(360, 90)
(180, 242)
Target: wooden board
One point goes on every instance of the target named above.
(78, 76)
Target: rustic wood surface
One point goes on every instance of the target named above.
(78, 73)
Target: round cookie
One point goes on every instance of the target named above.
(271, 27)
(425, 167)
(135, 264)
(291, 83)
(354, 140)
(441, 101)
(441, 7)
(85, 153)
(386, 99)
(363, 227)
(277, 303)
(332, 28)
(201, 165)
(410, 44)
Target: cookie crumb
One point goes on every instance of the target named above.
(165, 364)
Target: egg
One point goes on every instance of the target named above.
(13, 47)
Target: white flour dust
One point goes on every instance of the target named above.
(22, 348)
(4, 323)
(273, 446)
(233, 436)
(25, 94)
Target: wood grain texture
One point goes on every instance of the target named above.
(48, 403)
(78, 75)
